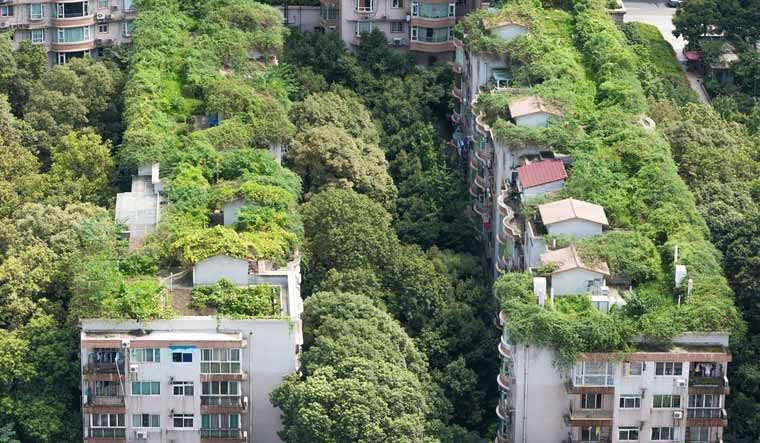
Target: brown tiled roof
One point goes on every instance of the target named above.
(567, 258)
(569, 209)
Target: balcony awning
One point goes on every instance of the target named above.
(502, 75)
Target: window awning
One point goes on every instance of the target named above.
(502, 75)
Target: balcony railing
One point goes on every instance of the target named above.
(107, 433)
(220, 367)
(696, 413)
(221, 400)
(710, 382)
(106, 400)
(222, 433)
(104, 367)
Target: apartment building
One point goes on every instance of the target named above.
(68, 29)
(423, 26)
(660, 395)
(198, 377)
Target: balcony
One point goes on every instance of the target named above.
(223, 404)
(106, 434)
(223, 435)
(589, 417)
(504, 350)
(455, 117)
(706, 417)
(708, 385)
(431, 46)
(106, 400)
(457, 92)
(504, 411)
(503, 382)
(104, 367)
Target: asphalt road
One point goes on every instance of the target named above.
(656, 13)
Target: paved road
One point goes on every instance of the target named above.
(656, 13)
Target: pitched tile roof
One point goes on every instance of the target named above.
(540, 173)
(531, 105)
(569, 209)
(567, 259)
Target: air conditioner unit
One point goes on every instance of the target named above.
(125, 343)
(681, 383)
(114, 8)
(677, 415)
(397, 41)
(408, 18)
(245, 402)
(98, 41)
(100, 16)
(141, 435)
(134, 369)
(245, 436)
(3, 25)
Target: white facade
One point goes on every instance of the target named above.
(231, 211)
(509, 31)
(537, 120)
(610, 398)
(575, 228)
(539, 190)
(574, 281)
(257, 354)
(218, 267)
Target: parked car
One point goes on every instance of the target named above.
(675, 3)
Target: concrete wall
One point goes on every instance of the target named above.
(540, 397)
(302, 18)
(534, 247)
(536, 191)
(575, 227)
(573, 281)
(509, 32)
(231, 211)
(537, 120)
(213, 269)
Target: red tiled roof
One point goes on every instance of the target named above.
(542, 172)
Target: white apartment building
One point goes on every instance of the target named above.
(68, 29)
(423, 26)
(191, 379)
(665, 395)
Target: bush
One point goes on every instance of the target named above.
(232, 301)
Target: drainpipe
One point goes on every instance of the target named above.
(525, 393)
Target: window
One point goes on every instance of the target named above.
(182, 388)
(659, 434)
(146, 388)
(127, 28)
(6, 11)
(74, 35)
(146, 421)
(704, 401)
(666, 401)
(668, 368)
(107, 420)
(38, 36)
(107, 388)
(220, 425)
(71, 10)
(365, 5)
(628, 434)
(397, 27)
(220, 361)
(590, 434)
(329, 12)
(397, 4)
(220, 393)
(452, 9)
(363, 27)
(630, 401)
(415, 9)
(591, 373)
(102, 4)
(633, 369)
(35, 11)
(147, 355)
(103, 29)
(182, 356)
(128, 5)
(591, 401)
(182, 421)
(415, 36)
(100, 52)
(698, 435)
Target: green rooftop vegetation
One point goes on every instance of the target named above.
(204, 106)
(232, 301)
(629, 171)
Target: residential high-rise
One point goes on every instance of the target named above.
(656, 392)
(423, 26)
(68, 29)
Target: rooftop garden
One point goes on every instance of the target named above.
(204, 96)
(619, 165)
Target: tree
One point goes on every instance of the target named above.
(328, 156)
(693, 19)
(81, 168)
(339, 108)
